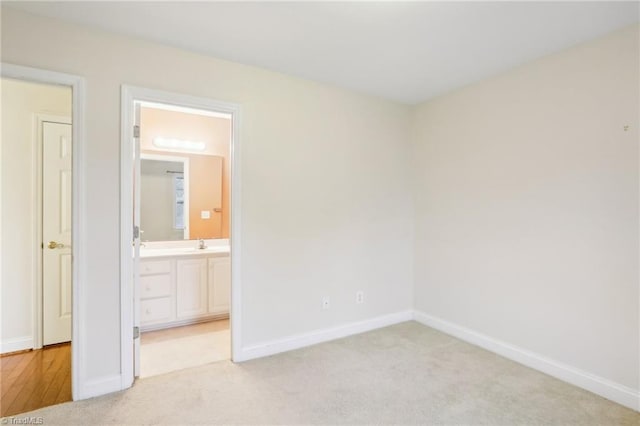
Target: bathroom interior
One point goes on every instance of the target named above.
(184, 266)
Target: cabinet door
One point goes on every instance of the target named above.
(191, 288)
(155, 311)
(155, 286)
(219, 285)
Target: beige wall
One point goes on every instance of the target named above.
(526, 192)
(21, 102)
(350, 227)
(216, 134)
(207, 192)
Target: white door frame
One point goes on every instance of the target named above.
(77, 84)
(39, 120)
(131, 94)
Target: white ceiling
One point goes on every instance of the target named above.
(407, 52)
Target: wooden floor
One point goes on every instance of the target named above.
(35, 379)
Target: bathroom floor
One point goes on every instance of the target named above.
(177, 348)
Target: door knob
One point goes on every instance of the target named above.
(53, 245)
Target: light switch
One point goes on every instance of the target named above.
(205, 214)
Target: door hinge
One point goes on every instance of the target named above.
(136, 332)
(136, 131)
(136, 232)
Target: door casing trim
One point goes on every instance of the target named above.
(129, 95)
(79, 211)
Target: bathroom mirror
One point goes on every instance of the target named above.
(184, 174)
(180, 196)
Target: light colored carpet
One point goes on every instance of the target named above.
(183, 352)
(404, 374)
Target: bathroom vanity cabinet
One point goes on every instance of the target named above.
(180, 290)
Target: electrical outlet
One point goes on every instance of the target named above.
(359, 297)
(326, 302)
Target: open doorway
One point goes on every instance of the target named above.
(178, 164)
(37, 232)
(184, 267)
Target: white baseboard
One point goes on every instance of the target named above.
(16, 344)
(307, 339)
(97, 387)
(616, 392)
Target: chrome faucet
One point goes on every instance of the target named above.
(201, 244)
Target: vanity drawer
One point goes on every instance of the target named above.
(148, 267)
(155, 310)
(155, 286)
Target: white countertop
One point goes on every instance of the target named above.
(212, 251)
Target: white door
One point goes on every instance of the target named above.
(56, 232)
(135, 279)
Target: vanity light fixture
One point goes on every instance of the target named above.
(171, 143)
